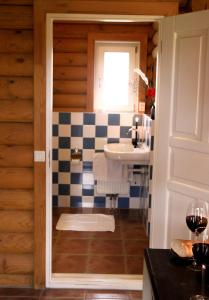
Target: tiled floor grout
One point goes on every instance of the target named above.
(93, 242)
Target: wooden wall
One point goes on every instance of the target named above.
(71, 46)
(16, 143)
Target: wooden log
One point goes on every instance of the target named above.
(16, 264)
(150, 61)
(70, 109)
(198, 5)
(16, 280)
(72, 30)
(70, 45)
(16, 111)
(16, 199)
(155, 26)
(17, 2)
(16, 156)
(69, 101)
(16, 221)
(16, 243)
(113, 7)
(150, 47)
(69, 87)
(16, 65)
(16, 134)
(16, 88)
(71, 73)
(16, 16)
(16, 178)
(16, 41)
(70, 59)
(150, 74)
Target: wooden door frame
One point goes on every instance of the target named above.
(131, 10)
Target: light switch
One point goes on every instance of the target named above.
(39, 156)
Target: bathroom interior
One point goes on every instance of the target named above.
(86, 179)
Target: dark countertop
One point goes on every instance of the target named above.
(171, 278)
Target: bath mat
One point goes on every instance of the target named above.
(86, 222)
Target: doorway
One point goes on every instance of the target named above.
(77, 280)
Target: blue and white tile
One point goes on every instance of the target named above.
(55, 117)
(64, 154)
(114, 119)
(55, 189)
(64, 177)
(55, 142)
(76, 178)
(64, 130)
(76, 142)
(89, 118)
(101, 131)
(88, 178)
(88, 154)
(55, 165)
(76, 130)
(64, 201)
(76, 190)
(89, 131)
(123, 202)
(64, 118)
(126, 119)
(64, 142)
(134, 202)
(55, 130)
(77, 118)
(113, 132)
(76, 167)
(102, 119)
(87, 201)
(75, 201)
(99, 201)
(99, 143)
(88, 143)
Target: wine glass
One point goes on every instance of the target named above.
(197, 220)
(197, 217)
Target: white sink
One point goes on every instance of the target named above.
(127, 153)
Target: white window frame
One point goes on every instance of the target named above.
(133, 48)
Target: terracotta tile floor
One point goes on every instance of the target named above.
(67, 294)
(119, 252)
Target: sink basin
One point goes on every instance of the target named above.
(127, 153)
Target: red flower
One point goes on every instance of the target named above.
(150, 92)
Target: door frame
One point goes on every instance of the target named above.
(61, 280)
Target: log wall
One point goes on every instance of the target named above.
(16, 143)
(72, 60)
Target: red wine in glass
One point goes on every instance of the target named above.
(196, 224)
(201, 253)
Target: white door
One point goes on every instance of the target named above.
(181, 154)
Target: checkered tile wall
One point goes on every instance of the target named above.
(73, 184)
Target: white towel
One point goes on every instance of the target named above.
(108, 169)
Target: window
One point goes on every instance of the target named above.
(115, 84)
